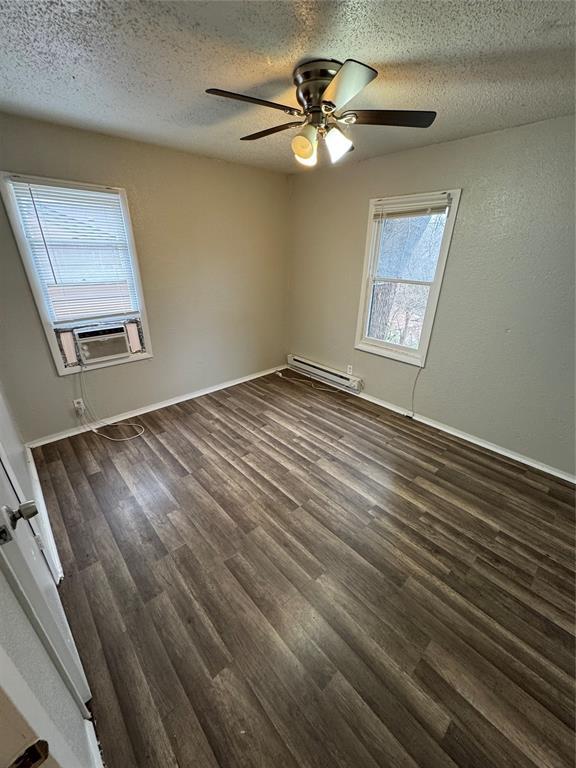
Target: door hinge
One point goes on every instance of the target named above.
(5, 535)
(40, 543)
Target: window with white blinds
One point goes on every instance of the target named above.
(77, 247)
(408, 239)
(78, 242)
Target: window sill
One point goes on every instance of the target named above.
(394, 353)
(119, 361)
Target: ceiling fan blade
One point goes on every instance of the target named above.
(402, 117)
(254, 100)
(270, 131)
(350, 79)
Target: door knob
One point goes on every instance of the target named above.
(25, 511)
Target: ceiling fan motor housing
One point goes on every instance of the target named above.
(311, 80)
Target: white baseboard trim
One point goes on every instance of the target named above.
(560, 473)
(94, 749)
(363, 395)
(383, 403)
(471, 438)
(147, 408)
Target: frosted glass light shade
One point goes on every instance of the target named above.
(310, 161)
(304, 144)
(337, 144)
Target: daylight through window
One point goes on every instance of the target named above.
(407, 246)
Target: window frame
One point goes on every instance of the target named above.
(403, 204)
(9, 199)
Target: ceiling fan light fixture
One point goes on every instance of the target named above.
(305, 144)
(337, 144)
(323, 88)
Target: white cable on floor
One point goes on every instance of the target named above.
(310, 382)
(99, 423)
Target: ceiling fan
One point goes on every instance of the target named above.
(323, 88)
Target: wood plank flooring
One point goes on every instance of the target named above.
(279, 576)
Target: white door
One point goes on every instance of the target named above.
(24, 480)
(26, 570)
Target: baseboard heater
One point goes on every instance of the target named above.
(323, 373)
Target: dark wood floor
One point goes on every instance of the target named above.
(277, 576)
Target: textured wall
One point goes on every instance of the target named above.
(212, 239)
(211, 244)
(500, 364)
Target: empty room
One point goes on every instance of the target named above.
(287, 373)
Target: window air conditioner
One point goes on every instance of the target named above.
(99, 344)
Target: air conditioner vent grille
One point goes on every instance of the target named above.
(100, 344)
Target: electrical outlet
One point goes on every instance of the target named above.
(349, 370)
(79, 406)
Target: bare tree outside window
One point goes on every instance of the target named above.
(408, 249)
(397, 313)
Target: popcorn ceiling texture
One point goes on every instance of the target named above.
(139, 69)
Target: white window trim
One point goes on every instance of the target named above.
(393, 205)
(11, 206)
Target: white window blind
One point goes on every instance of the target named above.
(80, 250)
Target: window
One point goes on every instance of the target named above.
(77, 247)
(407, 245)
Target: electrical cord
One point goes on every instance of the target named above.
(97, 423)
(101, 425)
(335, 390)
(310, 382)
(414, 390)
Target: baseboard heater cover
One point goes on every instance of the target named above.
(324, 373)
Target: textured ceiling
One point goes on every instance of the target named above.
(139, 69)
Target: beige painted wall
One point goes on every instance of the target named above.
(501, 359)
(211, 239)
(224, 248)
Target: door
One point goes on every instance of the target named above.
(28, 574)
(24, 480)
